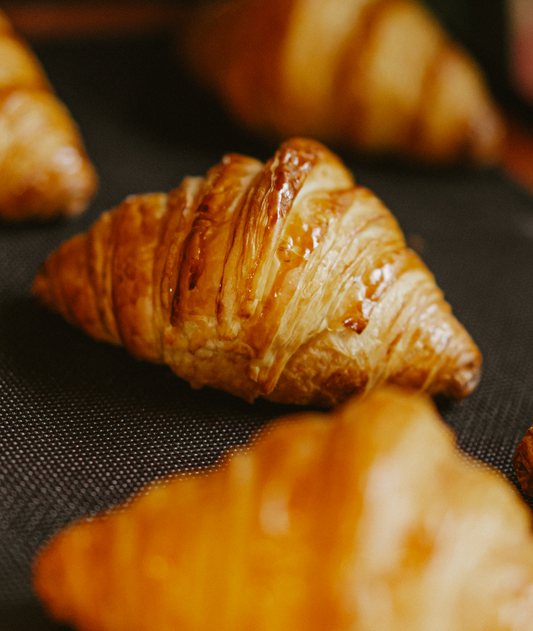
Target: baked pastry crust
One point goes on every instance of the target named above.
(282, 279)
(44, 170)
(380, 76)
(364, 519)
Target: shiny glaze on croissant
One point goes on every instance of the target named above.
(380, 76)
(363, 520)
(281, 279)
(44, 170)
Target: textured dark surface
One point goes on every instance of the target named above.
(83, 425)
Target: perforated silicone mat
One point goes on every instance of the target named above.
(83, 425)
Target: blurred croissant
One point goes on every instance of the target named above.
(380, 76)
(282, 279)
(44, 171)
(364, 520)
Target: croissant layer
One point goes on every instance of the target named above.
(380, 76)
(364, 519)
(44, 170)
(282, 279)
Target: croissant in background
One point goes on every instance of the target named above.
(366, 519)
(380, 76)
(44, 171)
(283, 279)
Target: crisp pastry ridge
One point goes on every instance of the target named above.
(366, 518)
(284, 280)
(380, 76)
(44, 169)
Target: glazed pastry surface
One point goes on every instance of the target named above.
(284, 280)
(44, 170)
(364, 519)
(380, 76)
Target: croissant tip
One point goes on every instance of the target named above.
(63, 191)
(78, 187)
(464, 383)
(463, 380)
(82, 197)
(487, 135)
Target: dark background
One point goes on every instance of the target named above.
(83, 425)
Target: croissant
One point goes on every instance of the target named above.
(523, 463)
(283, 279)
(364, 519)
(44, 170)
(379, 76)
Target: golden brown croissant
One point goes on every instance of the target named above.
(523, 463)
(364, 520)
(377, 75)
(44, 171)
(281, 279)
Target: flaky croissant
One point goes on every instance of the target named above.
(380, 76)
(281, 279)
(364, 520)
(44, 170)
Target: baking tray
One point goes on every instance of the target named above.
(83, 425)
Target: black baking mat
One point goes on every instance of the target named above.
(83, 425)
